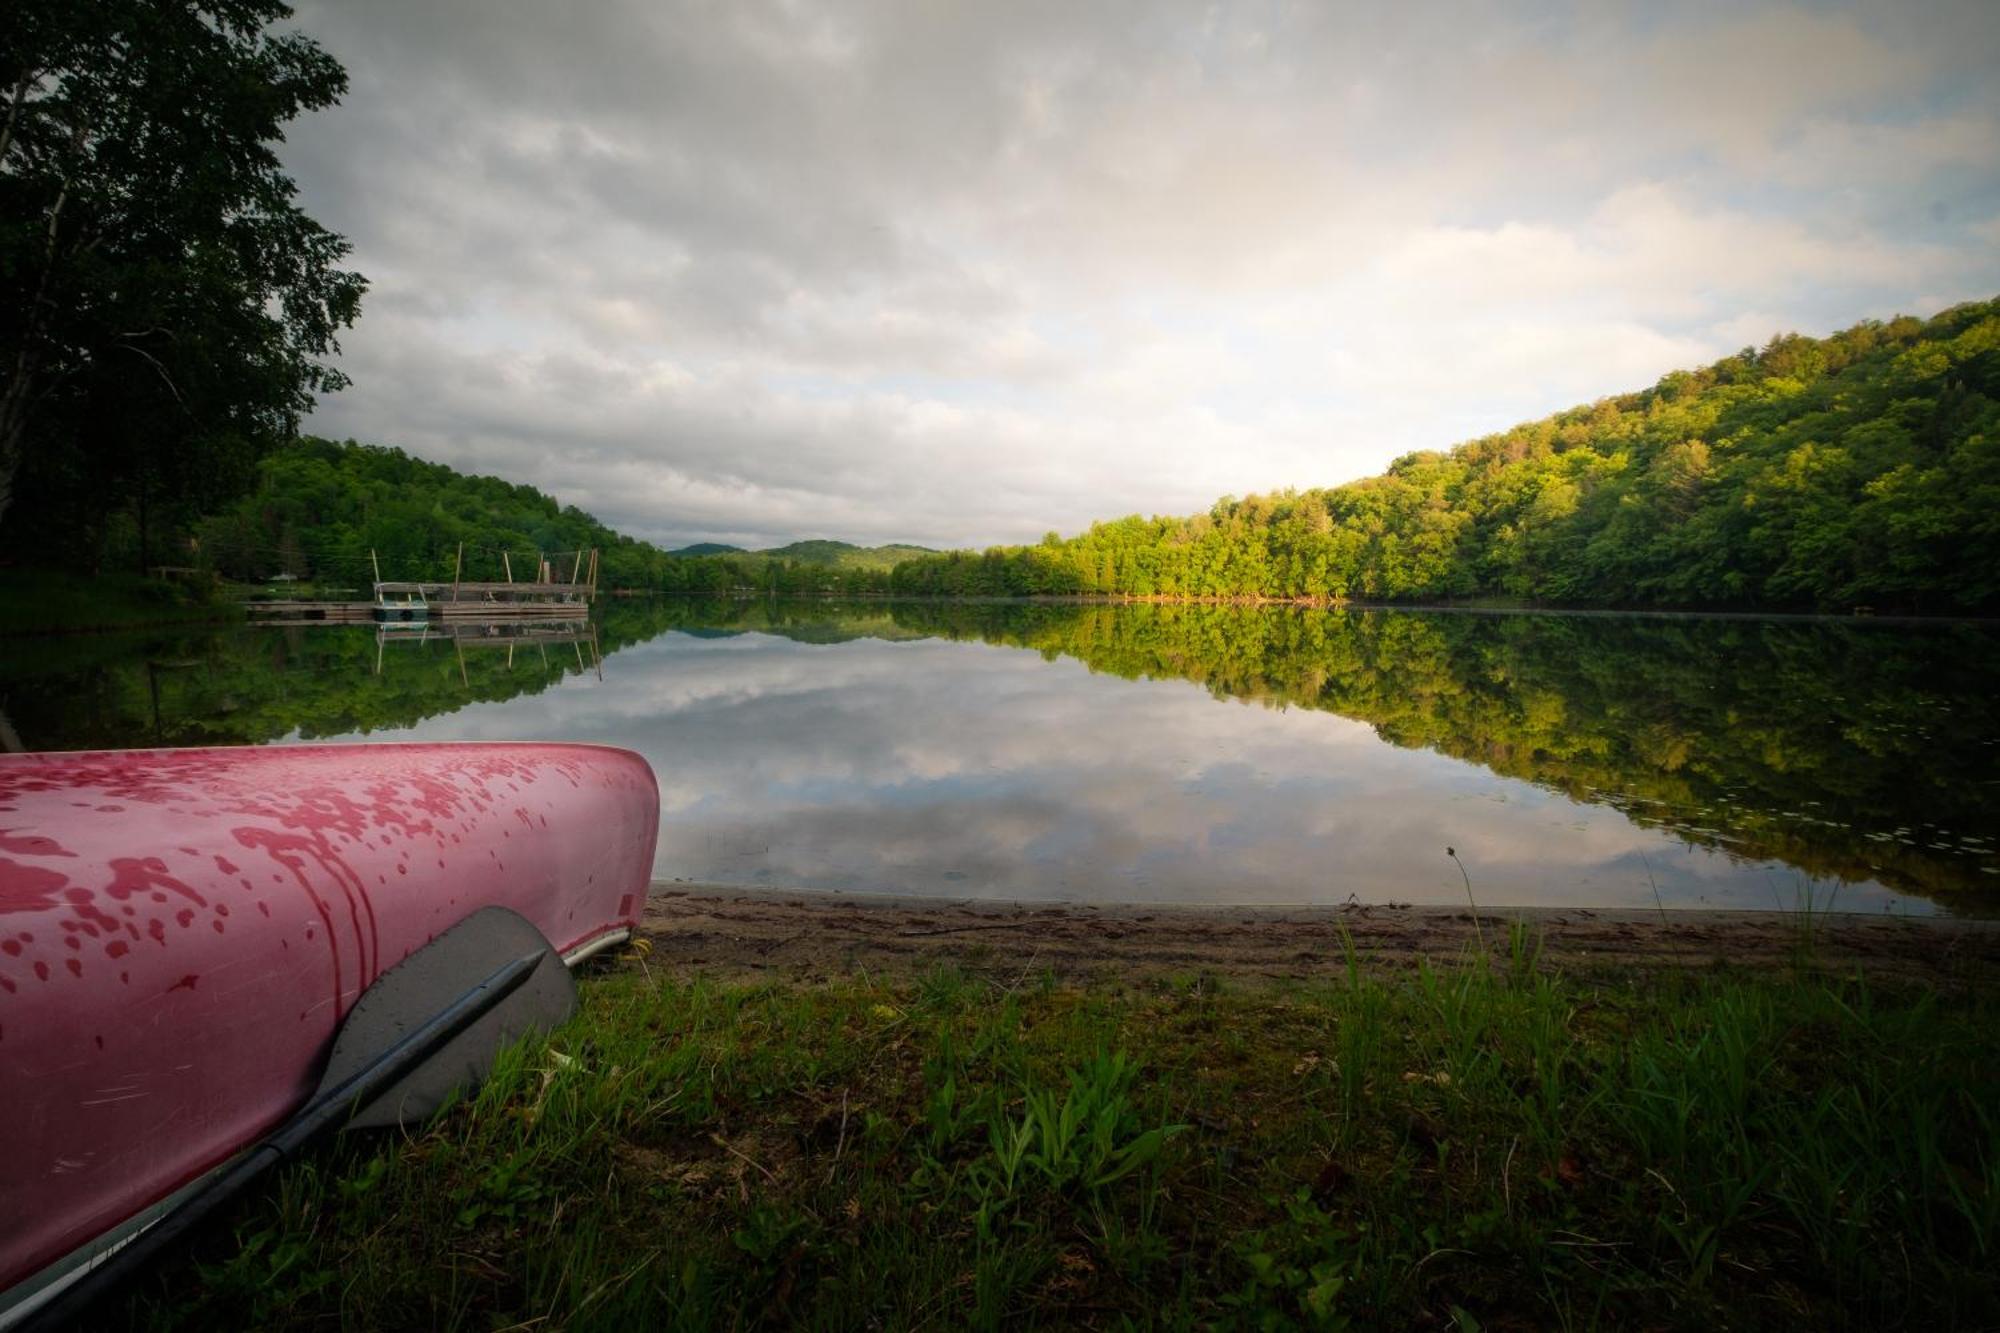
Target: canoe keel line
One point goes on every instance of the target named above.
(193, 946)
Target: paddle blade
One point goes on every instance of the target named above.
(414, 990)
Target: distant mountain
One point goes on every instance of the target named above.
(820, 552)
(845, 555)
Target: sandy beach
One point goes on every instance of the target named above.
(738, 932)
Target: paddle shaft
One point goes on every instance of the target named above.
(324, 1109)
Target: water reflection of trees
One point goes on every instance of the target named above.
(1847, 749)
(258, 684)
(1850, 750)
(249, 685)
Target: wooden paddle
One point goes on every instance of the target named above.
(425, 1029)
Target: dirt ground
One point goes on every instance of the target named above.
(741, 933)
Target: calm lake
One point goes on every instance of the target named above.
(1172, 754)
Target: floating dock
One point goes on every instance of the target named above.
(487, 601)
(422, 600)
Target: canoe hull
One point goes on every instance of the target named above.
(182, 931)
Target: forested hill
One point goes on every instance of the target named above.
(1857, 470)
(319, 509)
(833, 554)
(846, 555)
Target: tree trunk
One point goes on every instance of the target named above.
(16, 398)
(13, 434)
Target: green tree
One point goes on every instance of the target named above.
(1860, 469)
(165, 307)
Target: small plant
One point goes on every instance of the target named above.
(1524, 950)
(1010, 1149)
(1092, 1135)
(1478, 931)
(766, 1234)
(1086, 1136)
(1297, 1269)
(1808, 914)
(509, 1185)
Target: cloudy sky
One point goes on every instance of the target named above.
(960, 274)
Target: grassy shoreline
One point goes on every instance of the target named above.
(37, 602)
(1486, 1142)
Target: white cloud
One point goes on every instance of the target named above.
(959, 275)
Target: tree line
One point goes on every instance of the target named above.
(1859, 470)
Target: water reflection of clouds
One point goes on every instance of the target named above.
(960, 769)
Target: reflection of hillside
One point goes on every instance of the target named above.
(1847, 749)
(258, 685)
(262, 684)
(1850, 751)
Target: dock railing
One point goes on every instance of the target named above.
(542, 598)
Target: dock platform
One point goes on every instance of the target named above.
(412, 601)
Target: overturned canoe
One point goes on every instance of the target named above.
(182, 931)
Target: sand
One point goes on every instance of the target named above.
(739, 933)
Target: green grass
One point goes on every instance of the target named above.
(34, 601)
(1465, 1147)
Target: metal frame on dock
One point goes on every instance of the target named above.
(420, 600)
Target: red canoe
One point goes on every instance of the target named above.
(181, 931)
